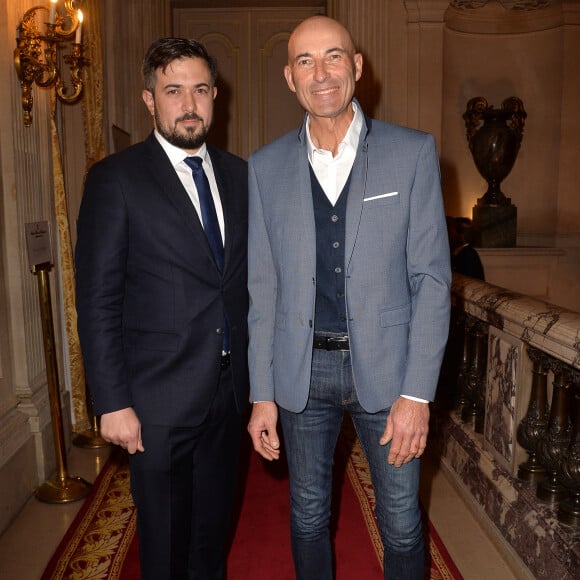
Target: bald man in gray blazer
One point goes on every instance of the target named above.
(349, 283)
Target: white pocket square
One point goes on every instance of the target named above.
(381, 196)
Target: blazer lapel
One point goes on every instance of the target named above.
(354, 207)
(296, 184)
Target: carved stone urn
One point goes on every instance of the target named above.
(494, 137)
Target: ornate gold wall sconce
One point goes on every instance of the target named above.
(39, 57)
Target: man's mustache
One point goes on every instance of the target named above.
(190, 117)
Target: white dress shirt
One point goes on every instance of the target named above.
(332, 172)
(177, 156)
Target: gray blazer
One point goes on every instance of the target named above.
(396, 259)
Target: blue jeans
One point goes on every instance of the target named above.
(310, 439)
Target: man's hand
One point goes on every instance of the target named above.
(262, 430)
(122, 428)
(407, 429)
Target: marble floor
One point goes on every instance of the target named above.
(26, 546)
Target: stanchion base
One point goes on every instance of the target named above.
(90, 440)
(63, 491)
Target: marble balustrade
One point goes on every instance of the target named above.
(507, 420)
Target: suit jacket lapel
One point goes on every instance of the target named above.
(168, 181)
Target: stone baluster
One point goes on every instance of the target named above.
(464, 324)
(569, 508)
(450, 389)
(534, 424)
(473, 412)
(556, 439)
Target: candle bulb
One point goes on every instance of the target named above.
(52, 11)
(79, 27)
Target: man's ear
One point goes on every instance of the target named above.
(289, 79)
(149, 101)
(358, 66)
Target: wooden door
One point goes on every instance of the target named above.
(254, 104)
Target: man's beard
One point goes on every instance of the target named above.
(188, 140)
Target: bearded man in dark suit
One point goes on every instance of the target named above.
(162, 314)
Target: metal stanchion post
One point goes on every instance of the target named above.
(62, 488)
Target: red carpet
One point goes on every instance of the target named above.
(101, 542)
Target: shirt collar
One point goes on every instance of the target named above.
(176, 154)
(351, 138)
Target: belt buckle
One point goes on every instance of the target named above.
(337, 342)
(332, 342)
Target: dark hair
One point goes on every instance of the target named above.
(165, 50)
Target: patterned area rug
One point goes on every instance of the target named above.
(101, 542)
(101, 536)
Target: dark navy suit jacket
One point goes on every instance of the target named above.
(150, 299)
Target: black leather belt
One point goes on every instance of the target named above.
(225, 361)
(331, 342)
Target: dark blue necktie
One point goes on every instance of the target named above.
(210, 222)
(209, 218)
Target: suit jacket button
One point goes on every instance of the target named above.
(219, 331)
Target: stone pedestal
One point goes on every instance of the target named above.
(494, 226)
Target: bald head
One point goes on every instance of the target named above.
(319, 26)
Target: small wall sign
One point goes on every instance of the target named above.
(38, 244)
